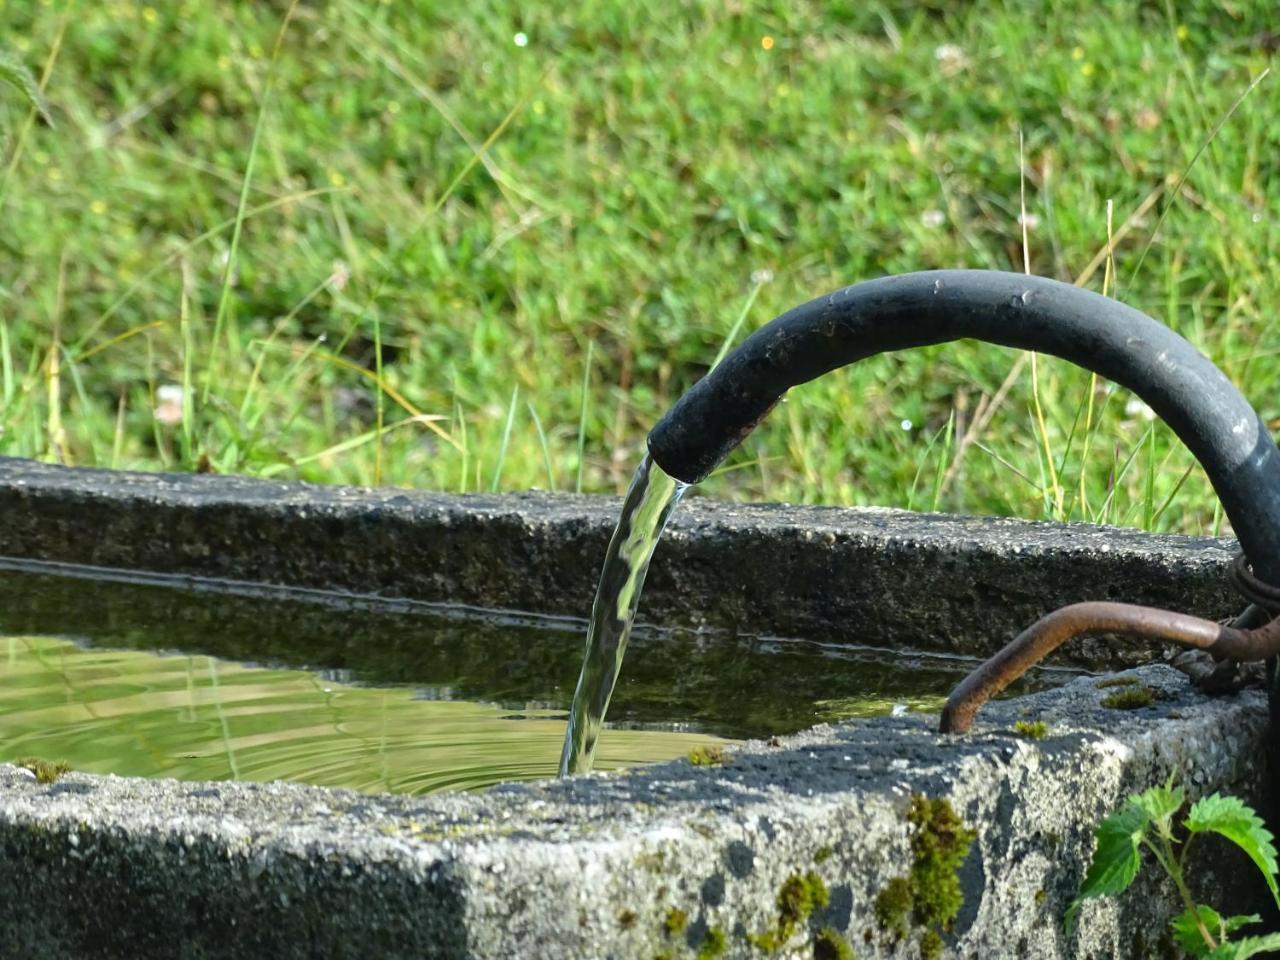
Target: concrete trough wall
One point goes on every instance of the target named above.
(933, 582)
(110, 867)
(603, 866)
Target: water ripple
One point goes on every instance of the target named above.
(199, 718)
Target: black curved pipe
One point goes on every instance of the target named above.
(1178, 382)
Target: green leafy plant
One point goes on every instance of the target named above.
(14, 74)
(1147, 821)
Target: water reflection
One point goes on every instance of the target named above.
(386, 697)
(198, 718)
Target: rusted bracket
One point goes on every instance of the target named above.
(1237, 641)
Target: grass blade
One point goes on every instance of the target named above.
(546, 450)
(506, 437)
(463, 448)
(379, 399)
(924, 461)
(944, 457)
(15, 74)
(224, 296)
(758, 280)
(45, 74)
(582, 417)
(1186, 171)
(117, 439)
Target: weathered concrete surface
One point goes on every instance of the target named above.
(927, 581)
(97, 867)
(105, 867)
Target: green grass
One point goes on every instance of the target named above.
(602, 206)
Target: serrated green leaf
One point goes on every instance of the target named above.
(1187, 932)
(1232, 818)
(1161, 803)
(15, 73)
(1246, 948)
(1115, 860)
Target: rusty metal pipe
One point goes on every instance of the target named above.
(1051, 631)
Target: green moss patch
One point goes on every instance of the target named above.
(830, 944)
(798, 897)
(930, 896)
(1131, 698)
(46, 771)
(708, 756)
(675, 922)
(893, 908)
(1031, 729)
(714, 944)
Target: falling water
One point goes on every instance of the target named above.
(652, 497)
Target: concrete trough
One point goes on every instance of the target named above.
(672, 860)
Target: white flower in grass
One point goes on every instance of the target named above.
(168, 411)
(339, 275)
(521, 39)
(951, 59)
(933, 218)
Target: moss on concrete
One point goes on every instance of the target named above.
(893, 908)
(938, 848)
(675, 922)
(1031, 729)
(46, 771)
(1131, 698)
(714, 944)
(930, 895)
(708, 756)
(798, 897)
(830, 944)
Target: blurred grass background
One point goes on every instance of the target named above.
(484, 245)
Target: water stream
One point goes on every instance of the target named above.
(650, 500)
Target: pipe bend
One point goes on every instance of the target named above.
(1179, 383)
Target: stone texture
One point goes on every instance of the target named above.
(932, 582)
(103, 867)
(97, 867)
